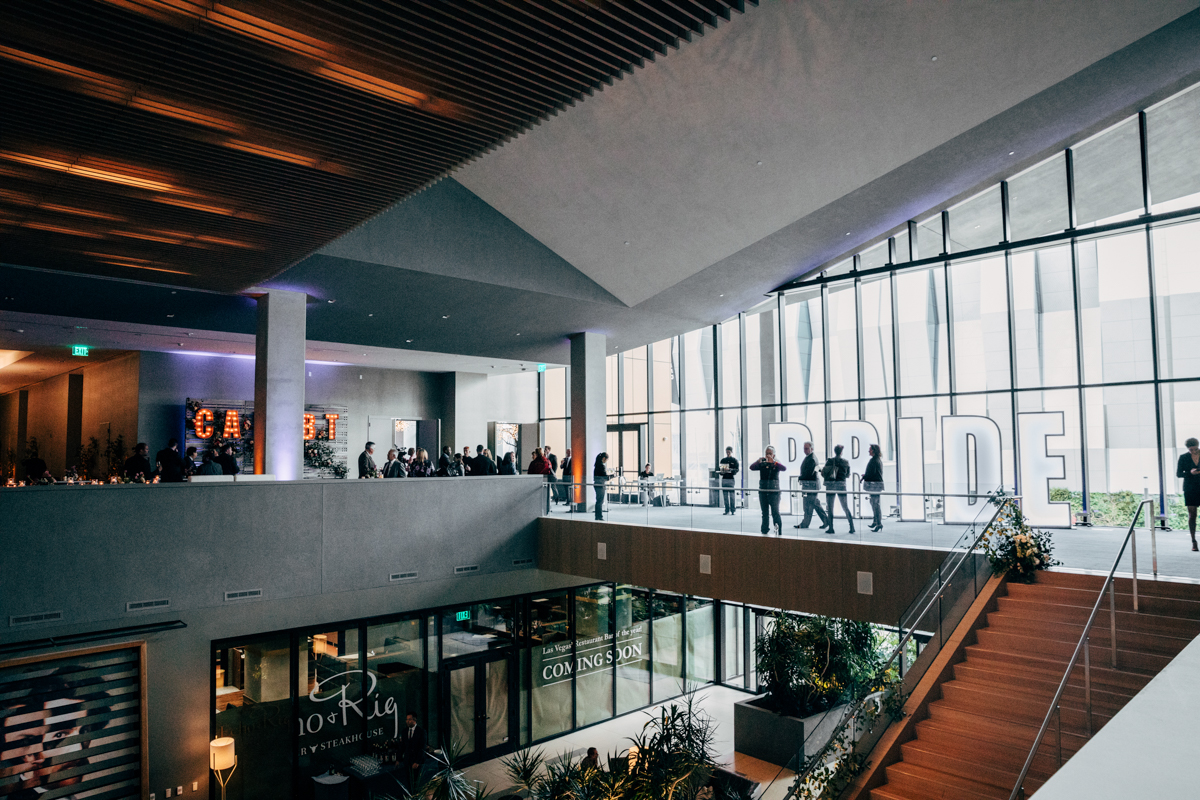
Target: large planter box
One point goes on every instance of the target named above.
(763, 734)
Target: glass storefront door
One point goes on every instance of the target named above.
(478, 690)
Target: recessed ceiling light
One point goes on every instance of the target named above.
(191, 334)
(364, 354)
(172, 293)
(847, 233)
(170, 315)
(408, 340)
(20, 330)
(934, 58)
(722, 295)
(445, 316)
(627, 244)
(518, 334)
(1011, 152)
(370, 315)
(759, 164)
(329, 301)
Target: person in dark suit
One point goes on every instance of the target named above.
(810, 484)
(169, 464)
(444, 461)
(394, 468)
(414, 743)
(729, 469)
(366, 462)
(835, 472)
(138, 464)
(481, 465)
(873, 483)
(567, 478)
(1189, 469)
(229, 465)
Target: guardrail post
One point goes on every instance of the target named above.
(1153, 540)
(1087, 681)
(1133, 555)
(1112, 617)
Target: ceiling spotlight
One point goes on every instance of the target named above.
(370, 315)
(759, 164)
(170, 315)
(1011, 152)
(934, 58)
(847, 233)
(722, 295)
(627, 244)
(408, 340)
(172, 293)
(364, 354)
(179, 344)
(20, 330)
(329, 301)
(518, 334)
(445, 316)
(191, 334)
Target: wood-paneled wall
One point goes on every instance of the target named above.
(815, 576)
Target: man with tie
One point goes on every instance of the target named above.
(366, 464)
(413, 754)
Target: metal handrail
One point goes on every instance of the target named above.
(819, 756)
(1085, 647)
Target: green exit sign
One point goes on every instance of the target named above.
(541, 367)
(463, 616)
(79, 349)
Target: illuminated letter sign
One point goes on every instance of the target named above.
(332, 420)
(310, 427)
(1038, 468)
(203, 421)
(910, 467)
(788, 439)
(971, 464)
(233, 427)
(855, 436)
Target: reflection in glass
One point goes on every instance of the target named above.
(594, 622)
(1114, 304)
(805, 346)
(733, 660)
(731, 363)
(1108, 176)
(921, 308)
(330, 686)
(632, 647)
(1177, 284)
(496, 694)
(878, 357)
(701, 644)
(1044, 317)
(980, 297)
(462, 709)
(1037, 200)
(762, 355)
(977, 222)
(395, 660)
(842, 329)
(252, 704)
(1174, 140)
(476, 628)
(667, 615)
(552, 667)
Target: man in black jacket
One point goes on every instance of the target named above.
(228, 462)
(729, 469)
(481, 464)
(138, 464)
(169, 463)
(563, 487)
(552, 477)
(835, 472)
(768, 470)
(413, 754)
(810, 484)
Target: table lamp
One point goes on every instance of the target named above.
(222, 757)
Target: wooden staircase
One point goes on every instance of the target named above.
(973, 741)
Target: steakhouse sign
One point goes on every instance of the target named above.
(591, 655)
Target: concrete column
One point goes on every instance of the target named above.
(589, 423)
(466, 403)
(279, 385)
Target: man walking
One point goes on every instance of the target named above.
(366, 464)
(729, 470)
(810, 484)
(768, 470)
(835, 472)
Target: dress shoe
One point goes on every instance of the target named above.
(801, 525)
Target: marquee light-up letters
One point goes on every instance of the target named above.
(332, 420)
(310, 427)
(233, 425)
(204, 418)
(1038, 468)
(971, 464)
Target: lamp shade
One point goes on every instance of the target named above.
(220, 753)
(320, 646)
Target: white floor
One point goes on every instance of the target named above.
(612, 737)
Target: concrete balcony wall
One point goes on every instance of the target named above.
(87, 551)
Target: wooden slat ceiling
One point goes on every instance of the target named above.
(214, 144)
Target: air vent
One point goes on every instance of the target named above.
(34, 619)
(147, 605)
(247, 594)
(401, 576)
(866, 583)
(466, 570)
(522, 562)
(601, 551)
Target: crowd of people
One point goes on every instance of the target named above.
(416, 463)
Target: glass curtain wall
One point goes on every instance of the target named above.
(1072, 287)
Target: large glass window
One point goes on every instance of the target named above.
(698, 369)
(1114, 308)
(330, 689)
(555, 394)
(921, 304)
(805, 350)
(701, 448)
(701, 641)
(667, 616)
(878, 356)
(633, 647)
(1044, 317)
(1122, 446)
(929, 238)
(1177, 285)
(842, 329)
(666, 387)
(731, 363)
(253, 703)
(1108, 176)
(1180, 421)
(552, 666)
(977, 222)
(1037, 200)
(979, 295)
(595, 623)
(634, 380)
(762, 354)
(1174, 140)
(396, 663)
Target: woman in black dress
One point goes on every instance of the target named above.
(1189, 470)
(873, 483)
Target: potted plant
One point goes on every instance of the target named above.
(809, 667)
(1014, 548)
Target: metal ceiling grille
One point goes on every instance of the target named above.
(213, 144)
